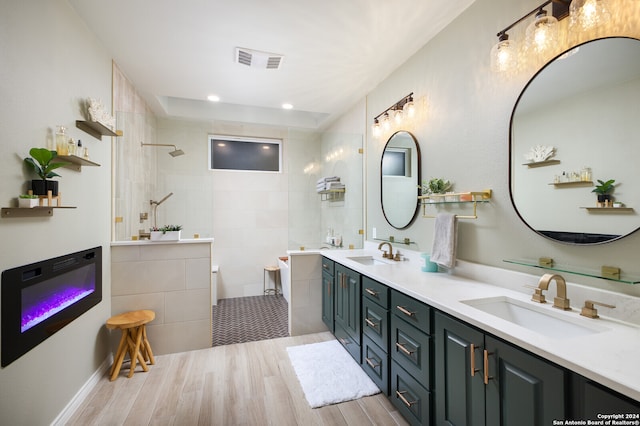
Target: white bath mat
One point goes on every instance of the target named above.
(328, 374)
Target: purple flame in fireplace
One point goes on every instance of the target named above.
(44, 300)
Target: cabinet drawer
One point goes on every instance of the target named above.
(411, 310)
(411, 348)
(409, 397)
(375, 323)
(349, 344)
(375, 291)
(327, 265)
(375, 362)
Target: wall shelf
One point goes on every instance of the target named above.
(572, 184)
(96, 129)
(332, 194)
(541, 163)
(76, 163)
(608, 209)
(437, 199)
(11, 212)
(576, 271)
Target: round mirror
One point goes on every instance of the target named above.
(400, 177)
(577, 123)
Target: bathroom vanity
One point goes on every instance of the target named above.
(445, 352)
(172, 278)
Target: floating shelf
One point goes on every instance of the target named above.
(76, 163)
(576, 271)
(399, 241)
(541, 163)
(11, 212)
(332, 194)
(435, 199)
(570, 184)
(608, 209)
(96, 129)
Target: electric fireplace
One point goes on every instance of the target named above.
(41, 298)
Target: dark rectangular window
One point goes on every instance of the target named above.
(248, 154)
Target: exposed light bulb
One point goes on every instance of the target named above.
(375, 129)
(587, 14)
(542, 34)
(503, 55)
(398, 116)
(386, 122)
(409, 108)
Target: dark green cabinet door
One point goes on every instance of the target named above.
(591, 399)
(459, 396)
(327, 300)
(347, 301)
(522, 389)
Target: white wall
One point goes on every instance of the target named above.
(464, 138)
(49, 63)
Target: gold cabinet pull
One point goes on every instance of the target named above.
(403, 349)
(472, 350)
(405, 311)
(486, 367)
(404, 400)
(370, 323)
(344, 341)
(371, 292)
(371, 363)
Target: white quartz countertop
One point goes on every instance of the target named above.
(609, 356)
(149, 242)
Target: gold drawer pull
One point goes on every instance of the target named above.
(370, 323)
(405, 311)
(371, 292)
(404, 400)
(486, 367)
(403, 349)
(472, 350)
(371, 363)
(344, 341)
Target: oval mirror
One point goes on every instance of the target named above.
(584, 105)
(400, 176)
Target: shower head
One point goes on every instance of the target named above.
(175, 153)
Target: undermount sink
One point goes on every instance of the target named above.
(535, 318)
(368, 260)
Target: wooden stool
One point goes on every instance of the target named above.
(133, 340)
(276, 280)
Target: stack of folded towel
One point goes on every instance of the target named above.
(327, 183)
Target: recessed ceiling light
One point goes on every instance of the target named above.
(287, 106)
(213, 98)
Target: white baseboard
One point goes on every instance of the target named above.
(82, 394)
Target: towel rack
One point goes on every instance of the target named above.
(475, 197)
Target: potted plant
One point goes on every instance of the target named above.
(435, 186)
(166, 233)
(604, 190)
(28, 201)
(41, 162)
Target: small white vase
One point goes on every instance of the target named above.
(28, 202)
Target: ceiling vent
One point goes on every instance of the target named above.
(257, 59)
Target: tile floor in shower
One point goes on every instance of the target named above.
(248, 319)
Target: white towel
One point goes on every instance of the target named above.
(445, 238)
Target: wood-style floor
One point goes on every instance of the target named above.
(242, 384)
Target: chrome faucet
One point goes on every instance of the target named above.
(386, 255)
(560, 301)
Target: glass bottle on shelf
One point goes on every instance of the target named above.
(61, 141)
(71, 147)
(585, 174)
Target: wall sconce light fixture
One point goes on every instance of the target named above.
(541, 35)
(587, 20)
(397, 113)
